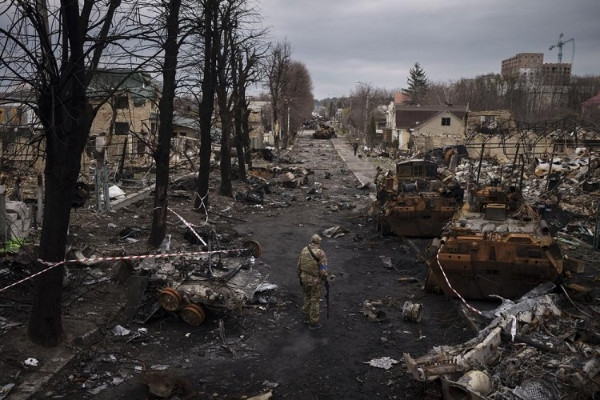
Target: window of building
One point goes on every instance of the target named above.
(446, 121)
(122, 102)
(121, 128)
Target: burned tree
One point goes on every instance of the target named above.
(209, 38)
(276, 66)
(224, 30)
(52, 52)
(165, 128)
(233, 74)
(298, 98)
(247, 58)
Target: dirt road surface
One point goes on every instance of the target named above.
(263, 348)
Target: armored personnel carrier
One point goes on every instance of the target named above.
(495, 245)
(416, 201)
(324, 131)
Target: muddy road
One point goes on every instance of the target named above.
(266, 348)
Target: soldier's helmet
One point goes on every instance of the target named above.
(315, 239)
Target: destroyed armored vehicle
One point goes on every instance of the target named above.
(324, 131)
(213, 284)
(495, 245)
(415, 201)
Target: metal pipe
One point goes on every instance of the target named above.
(522, 170)
(480, 160)
(550, 170)
(515, 159)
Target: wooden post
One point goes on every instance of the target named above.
(597, 233)
(3, 217)
(39, 194)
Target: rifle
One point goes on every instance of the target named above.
(327, 295)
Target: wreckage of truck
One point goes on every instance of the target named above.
(416, 201)
(496, 244)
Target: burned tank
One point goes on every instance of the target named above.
(324, 131)
(218, 286)
(416, 201)
(495, 245)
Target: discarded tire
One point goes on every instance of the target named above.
(169, 299)
(254, 248)
(193, 315)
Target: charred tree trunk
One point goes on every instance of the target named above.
(226, 188)
(239, 138)
(276, 126)
(226, 125)
(165, 129)
(66, 137)
(209, 82)
(246, 137)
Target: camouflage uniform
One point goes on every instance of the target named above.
(312, 274)
(379, 176)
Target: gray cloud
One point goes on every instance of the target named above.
(378, 41)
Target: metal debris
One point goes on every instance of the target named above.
(553, 354)
(383, 362)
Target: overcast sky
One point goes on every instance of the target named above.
(343, 42)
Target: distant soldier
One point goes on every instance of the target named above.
(355, 147)
(312, 271)
(379, 176)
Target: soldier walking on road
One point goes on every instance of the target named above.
(312, 271)
(355, 147)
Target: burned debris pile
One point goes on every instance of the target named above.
(525, 232)
(542, 346)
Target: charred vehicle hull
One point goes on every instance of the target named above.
(424, 214)
(495, 245)
(416, 202)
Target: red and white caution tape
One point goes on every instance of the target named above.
(30, 277)
(470, 307)
(91, 260)
(51, 265)
(189, 226)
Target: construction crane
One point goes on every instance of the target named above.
(560, 44)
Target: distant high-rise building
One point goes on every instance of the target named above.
(531, 68)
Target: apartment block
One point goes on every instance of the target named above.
(531, 68)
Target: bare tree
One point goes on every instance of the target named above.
(277, 64)
(246, 72)
(363, 102)
(209, 38)
(165, 129)
(297, 98)
(54, 51)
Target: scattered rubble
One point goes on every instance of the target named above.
(383, 362)
(536, 347)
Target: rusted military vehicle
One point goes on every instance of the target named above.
(224, 285)
(495, 245)
(324, 131)
(416, 201)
